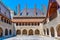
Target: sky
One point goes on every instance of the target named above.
(12, 4)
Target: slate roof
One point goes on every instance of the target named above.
(31, 13)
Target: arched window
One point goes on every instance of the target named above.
(18, 32)
(24, 32)
(47, 31)
(58, 30)
(30, 32)
(6, 32)
(10, 32)
(37, 32)
(52, 31)
(1, 32)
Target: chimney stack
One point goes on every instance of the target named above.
(34, 9)
(19, 9)
(25, 8)
(48, 18)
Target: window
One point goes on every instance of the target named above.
(25, 24)
(6, 32)
(20, 24)
(36, 13)
(2, 19)
(0, 10)
(38, 24)
(10, 32)
(18, 32)
(37, 32)
(16, 24)
(27, 13)
(20, 13)
(5, 20)
(5, 13)
(28, 23)
(32, 24)
(35, 24)
(47, 31)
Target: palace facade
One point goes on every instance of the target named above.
(35, 22)
(30, 21)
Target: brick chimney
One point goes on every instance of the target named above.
(34, 9)
(25, 9)
(18, 9)
(48, 18)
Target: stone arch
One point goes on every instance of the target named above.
(52, 31)
(58, 30)
(24, 32)
(1, 32)
(18, 32)
(6, 32)
(10, 31)
(30, 32)
(47, 31)
(37, 32)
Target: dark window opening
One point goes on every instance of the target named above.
(26, 13)
(28, 23)
(19, 24)
(22, 24)
(35, 24)
(20, 13)
(5, 20)
(25, 24)
(38, 24)
(47, 31)
(32, 24)
(2, 19)
(0, 10)
(36, 13)
(16, 24)
(10, 32)
(6, 32)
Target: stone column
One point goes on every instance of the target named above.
(14, 30)
(3, 31)
(55, 32)
(46, 31)
(49, 33)
(33, 32)
(27, 32)
(14, 25)
(41, 29)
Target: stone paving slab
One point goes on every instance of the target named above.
(31, 38)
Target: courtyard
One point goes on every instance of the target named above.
(19, 37)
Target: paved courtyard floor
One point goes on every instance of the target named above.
(31, 38)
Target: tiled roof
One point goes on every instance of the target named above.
(31, 13)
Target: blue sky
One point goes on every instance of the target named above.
(13, 3)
